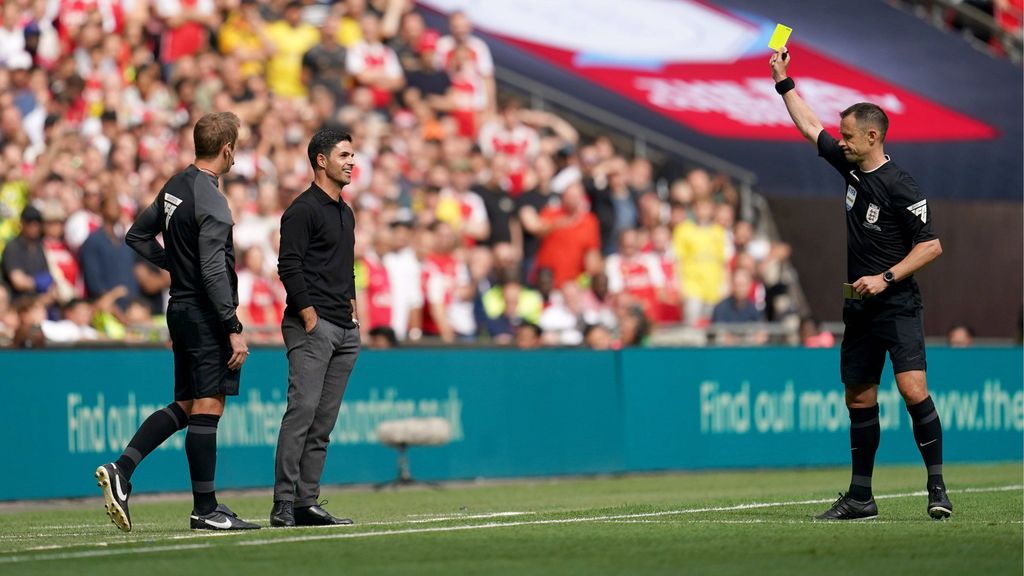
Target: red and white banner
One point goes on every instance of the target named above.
(704, 67)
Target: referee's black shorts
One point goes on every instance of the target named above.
(890, 323)
(201, 353)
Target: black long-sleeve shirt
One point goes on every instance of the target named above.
(198, 248)
(316, 263)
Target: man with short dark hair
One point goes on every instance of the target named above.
(320, 328)
(206, 336)
(889, 238)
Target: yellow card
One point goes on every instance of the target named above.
(779, 37)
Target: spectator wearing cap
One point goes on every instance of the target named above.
(24, 261)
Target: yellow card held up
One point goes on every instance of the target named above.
(779, 37)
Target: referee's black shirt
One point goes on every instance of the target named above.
(886, 213)
(316, 263)
(198, 248)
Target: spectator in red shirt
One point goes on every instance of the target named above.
(260, 302)
(186, 22)
(636, 276)
(571, 240)
(461, 35)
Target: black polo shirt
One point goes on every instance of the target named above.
(316, 263)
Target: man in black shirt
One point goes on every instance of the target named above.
(206, 336)
(889, 238)
(320, 328)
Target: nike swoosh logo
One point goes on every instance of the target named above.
(928, 442)
(117, 485)
(225, 524)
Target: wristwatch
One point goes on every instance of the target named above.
(889, 277)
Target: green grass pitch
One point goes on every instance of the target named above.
(737, 522)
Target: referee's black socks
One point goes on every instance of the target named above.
(160, 426)
(201, 450)
(928, 435)
(865, 433)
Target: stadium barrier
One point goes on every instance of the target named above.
(512, 413)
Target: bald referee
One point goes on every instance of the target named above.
(889, 237)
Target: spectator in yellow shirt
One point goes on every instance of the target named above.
(243, 37)
(291, 38)
(700, 247)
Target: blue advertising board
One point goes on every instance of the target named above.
(512, 413)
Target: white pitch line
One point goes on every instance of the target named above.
(460, 517)
(458, 528)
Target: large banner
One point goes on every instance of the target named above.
(512, 413)
(704, 67)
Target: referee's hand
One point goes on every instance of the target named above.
(239, 351)
(870, 285)
(780, 64)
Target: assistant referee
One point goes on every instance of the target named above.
(889, 238)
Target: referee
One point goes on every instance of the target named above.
(209, 350)
(889, 238)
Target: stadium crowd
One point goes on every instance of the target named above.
(478, 220)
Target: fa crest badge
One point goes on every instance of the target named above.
(872, 215)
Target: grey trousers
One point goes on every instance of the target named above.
(319, 364)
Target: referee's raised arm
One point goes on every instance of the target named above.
(804, 118)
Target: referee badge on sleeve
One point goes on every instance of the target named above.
(851, 197)
(920, 209)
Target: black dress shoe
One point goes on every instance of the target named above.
(281, 515)
(316, 516)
